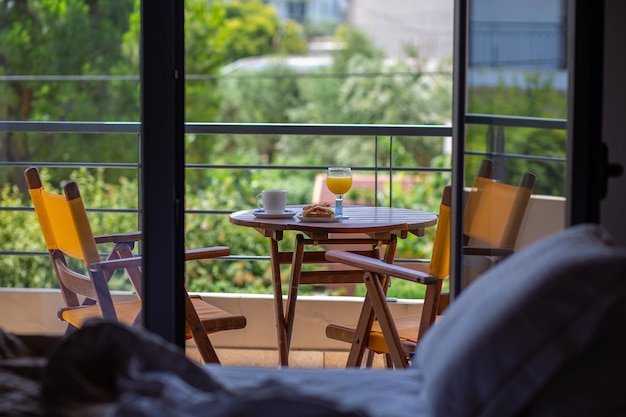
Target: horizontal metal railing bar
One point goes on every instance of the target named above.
(34, 253)
(69, 77)
(231, 128)
(318, 129)
(380, 168)
(70, 127)
(9, 208)
(95, 210)
(221, 212)
(255, 258)
(23, 253)
(278, 128)
(518, 156)
(225, 76)
(122, 165)
(516, 121)
(130, 165)
(103, 254)
(316, 76)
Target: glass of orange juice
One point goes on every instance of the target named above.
(339, 182)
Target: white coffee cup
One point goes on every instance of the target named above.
(273, 201)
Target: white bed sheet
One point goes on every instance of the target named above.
(385, 393)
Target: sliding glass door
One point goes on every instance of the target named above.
(525, 90)
(528, 92)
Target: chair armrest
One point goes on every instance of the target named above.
(206, 253)
(114, 264)
(135, 261)
(480, 251)
(370, 264)
(118, 237)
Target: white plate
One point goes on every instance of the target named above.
(319, 219)
(261, 214)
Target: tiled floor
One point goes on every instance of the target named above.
(269, 358)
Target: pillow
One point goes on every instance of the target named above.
(521, 323)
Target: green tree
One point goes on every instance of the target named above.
(213, 39)
(223, 32)
(249, 29)
(101, 38)
(291, 39)
(356, 44)
(33, 35)
(375, 90)
(532, 96)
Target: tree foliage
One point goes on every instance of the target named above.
(33, 35)
(96, 38)
(533, 96)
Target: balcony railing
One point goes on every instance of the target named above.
(495, 148)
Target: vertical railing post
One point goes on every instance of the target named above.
(500, 144)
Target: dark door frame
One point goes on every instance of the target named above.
(459, 111)
(586, 165)
(162, 172)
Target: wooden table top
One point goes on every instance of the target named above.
(361, 219)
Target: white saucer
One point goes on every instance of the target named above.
(319, 219)
(261, 214)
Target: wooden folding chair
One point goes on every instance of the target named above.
(505, 205)
(374, 335)
(67, 234)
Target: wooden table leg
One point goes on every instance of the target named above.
(390, 251)
(281, 331)
(292, 297)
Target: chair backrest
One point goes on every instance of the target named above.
(434, 299)
(494, 211)
(492, 218)
(67, 232)
(63, 220)
(492, 221)
(440, 257)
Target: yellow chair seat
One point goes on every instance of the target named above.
(126, 313)
(213, 319)
(408, 329)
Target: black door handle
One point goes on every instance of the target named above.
(609, 170)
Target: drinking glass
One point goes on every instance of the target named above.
(339, 182)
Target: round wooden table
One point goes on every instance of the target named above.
(374, 227)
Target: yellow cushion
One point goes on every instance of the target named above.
(126, 313)
(408, 328)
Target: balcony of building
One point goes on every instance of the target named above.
(34, 310)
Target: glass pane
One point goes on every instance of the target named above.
(517, 106)
(69, 74)
(313, 64)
